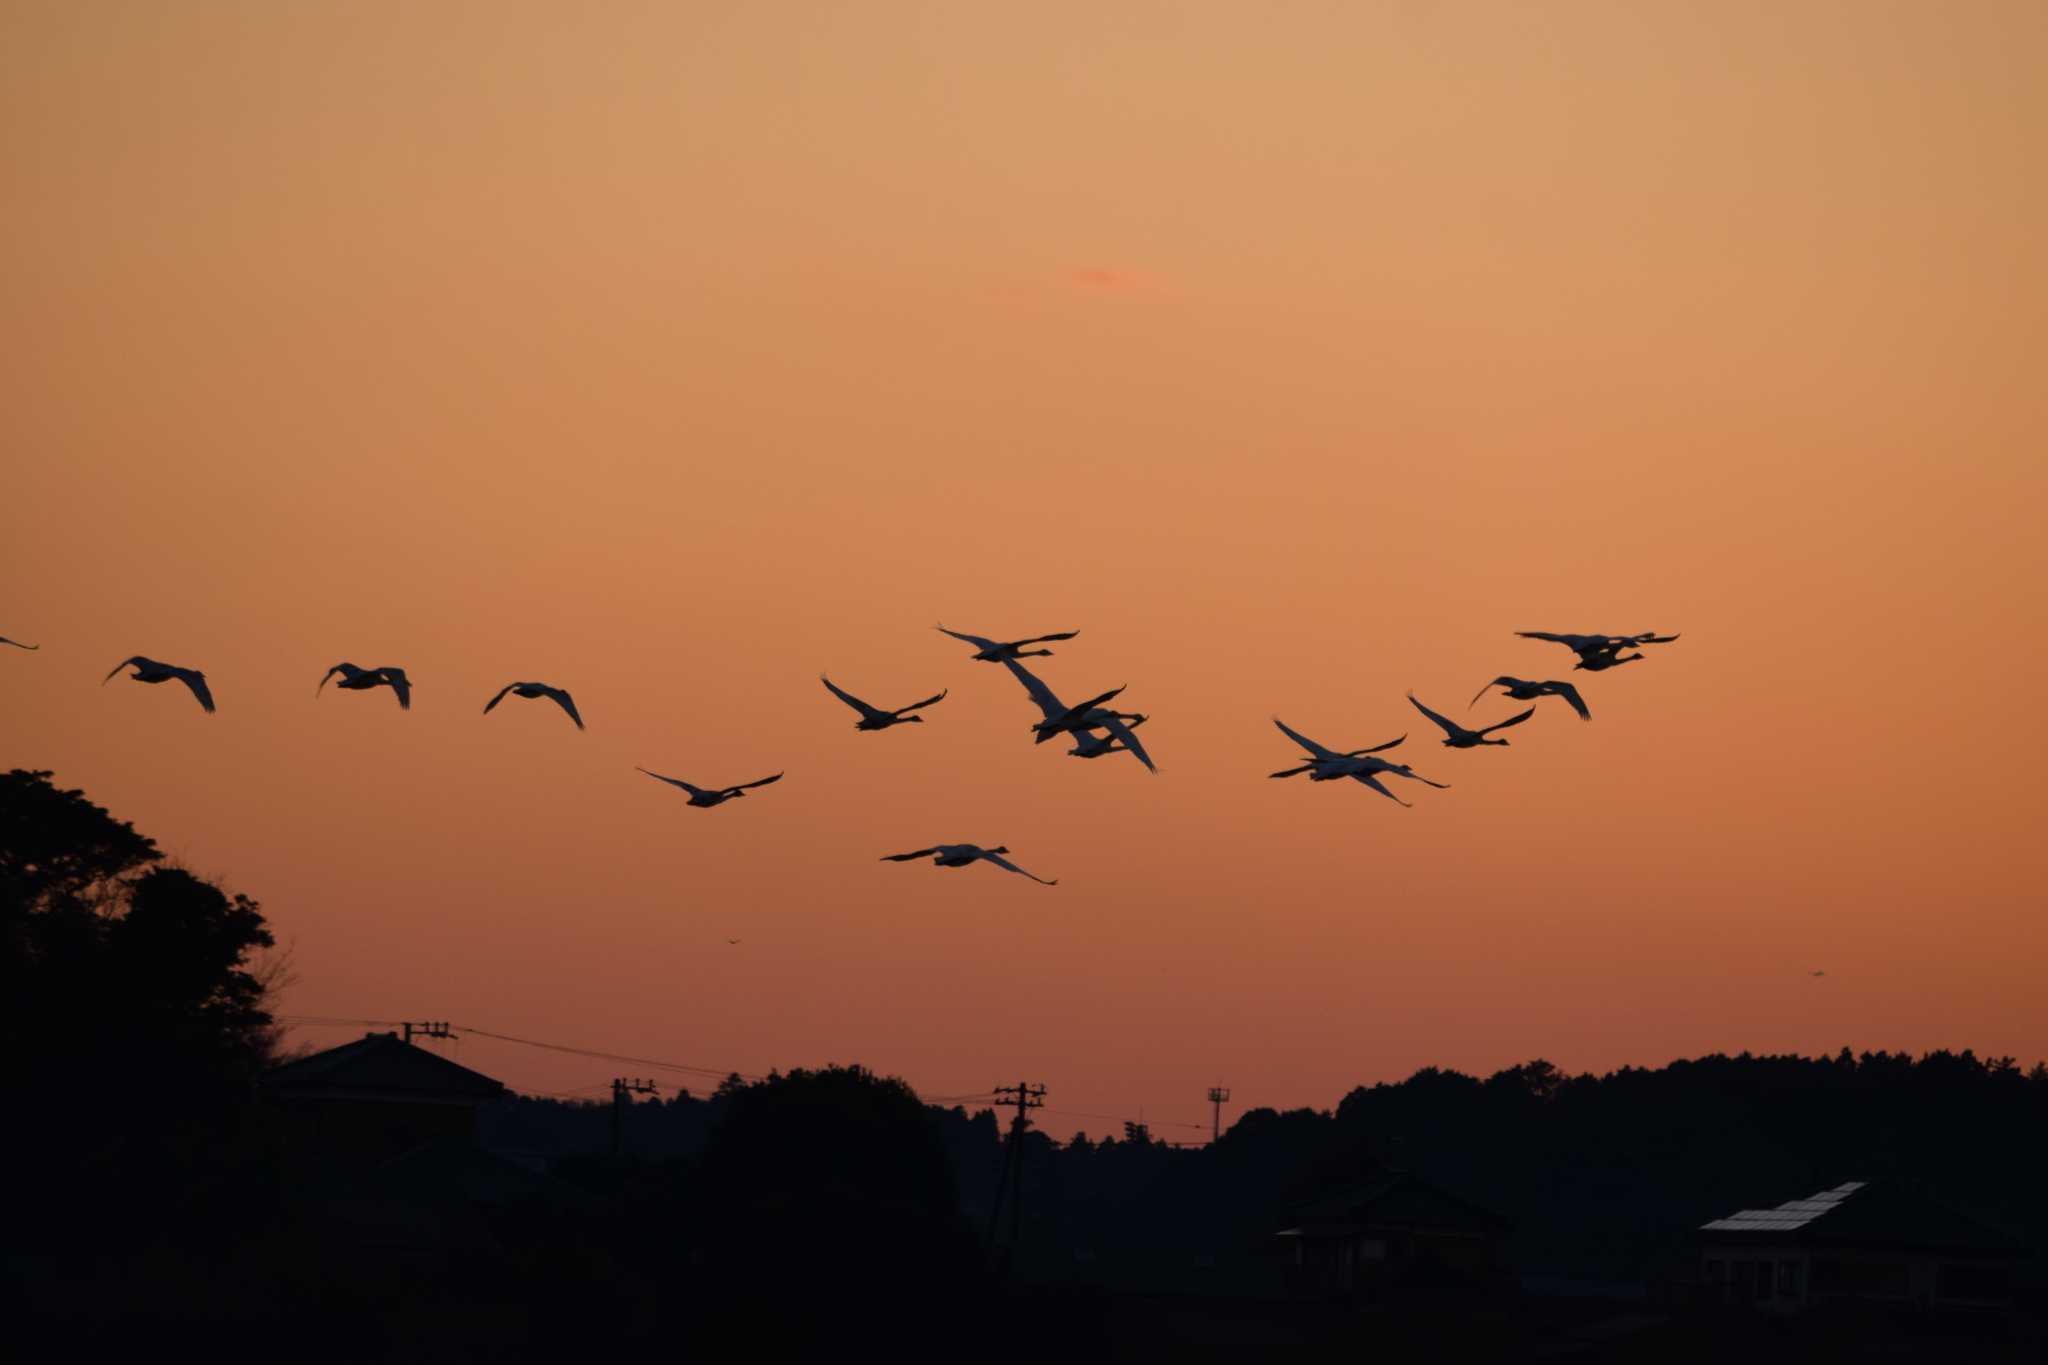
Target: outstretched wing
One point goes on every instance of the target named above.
(867, 712)
(1502, 681)
(908, 857)
(1390, 744)
(918, 705)
(1369, 780)
(1403, 770)
(500, 697)
(1450, 727)
(1000, 861)
(196, 680)
(1571, 694)
(672, 781)
(395, 679)
(977, 641)
(1041, 639)
(1580, 643)
(1124, 734)
(136, 659)
(17, 644)
(762, 783)
(1315, 750)
(1042, 695)
(567, 703)
(1511, 720)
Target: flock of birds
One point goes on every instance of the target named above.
(1094, 727)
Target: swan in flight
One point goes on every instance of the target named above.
(19, 645)
(1061, 718)
(710, 796)
(1327, 765)
(960, 855)
(1457, 736)
(533, 689)
(1521, 689)
(873, 718)
(993, 651)
(355, 679)
(1088, 744)
(150, 671)
(1598, 653)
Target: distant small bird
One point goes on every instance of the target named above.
(732, 940)
(1598, 653)
(19, 645)
(530, 690)
(1820, 973)
(150, 671)
(1328, 765)
(960, 855)
(1521, 689)
(994, 652)
(1060, 718)
(355, 679)
(1457, 736)
(874, 718)
(711, 796)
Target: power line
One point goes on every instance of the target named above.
(686, 1068)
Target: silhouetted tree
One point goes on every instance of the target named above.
(838, 1180)
(132, 1023)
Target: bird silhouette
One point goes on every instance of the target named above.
(1328, 765)
(1598, 653)
(710, 796)
(150, 671)
(992, 651)
(1457, 736)
(18, 644)
(1521, 689)
(355, 679)
(531, 690)
(874, 718)
(1060, 718)
(1088, 744)
(961, 855)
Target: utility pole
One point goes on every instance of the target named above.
(433, 1028)
(621, 1088)
(1025, 1097)
(1218, 1096)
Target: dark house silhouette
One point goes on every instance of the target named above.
(378, 1097)
(1881, 1242)
(1392, 1232)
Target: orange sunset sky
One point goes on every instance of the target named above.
(1296, 354)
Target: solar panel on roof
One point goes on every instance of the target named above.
(1790, 1215)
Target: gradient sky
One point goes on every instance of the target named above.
(1296, 354)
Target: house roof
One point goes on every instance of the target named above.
(1394, 1200)
(1860, 1213)
(381, 1067)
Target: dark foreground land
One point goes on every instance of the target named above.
(174, 1191)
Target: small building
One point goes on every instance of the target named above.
(1879, 1242)
(1394, 1231)
(379, 1096)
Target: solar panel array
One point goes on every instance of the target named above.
(1788, 1216)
